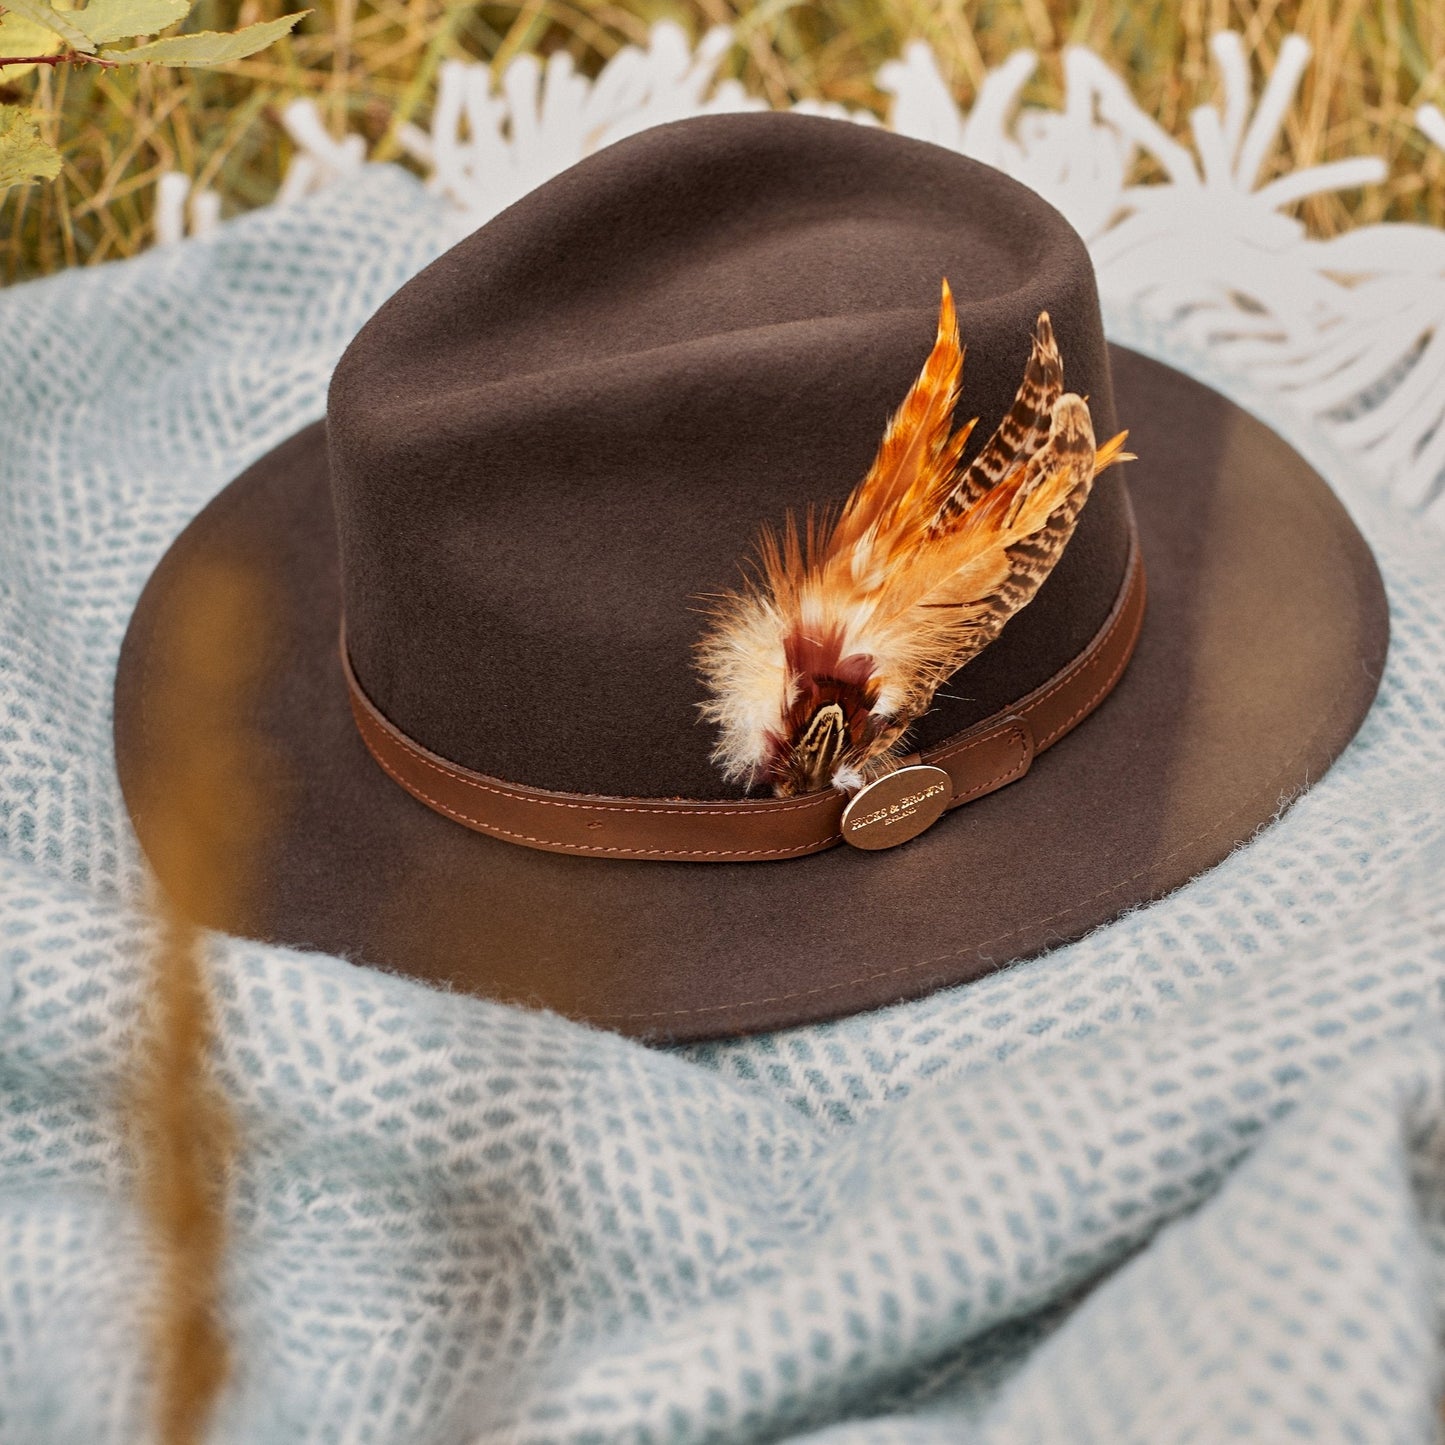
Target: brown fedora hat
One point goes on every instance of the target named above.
(540, 482)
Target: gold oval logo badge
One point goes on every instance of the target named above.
(896, 807)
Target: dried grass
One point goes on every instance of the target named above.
(372, 64)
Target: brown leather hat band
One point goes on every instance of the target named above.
(990, 754)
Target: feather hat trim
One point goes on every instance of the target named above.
(818, 665)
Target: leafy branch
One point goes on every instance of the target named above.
(35, 32)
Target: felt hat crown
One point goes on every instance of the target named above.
(561, 438)
(550, 448)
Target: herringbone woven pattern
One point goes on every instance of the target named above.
(1178, 1182)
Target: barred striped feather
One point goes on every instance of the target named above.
(816, 670)
(1022, 430)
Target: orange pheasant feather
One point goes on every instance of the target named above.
(816, 670)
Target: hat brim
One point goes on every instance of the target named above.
(1262, 648)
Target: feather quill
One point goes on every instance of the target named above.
(817, 667)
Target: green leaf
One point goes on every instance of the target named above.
(207, 47)
(106, 20)
(60, 21)
(24, 157)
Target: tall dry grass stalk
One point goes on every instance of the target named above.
(186, 1139)
(372, 65)
(203, 830)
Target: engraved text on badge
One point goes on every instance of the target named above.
(896, 807)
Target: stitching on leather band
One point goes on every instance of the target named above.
(396, 753)
(392, 736)
(1026, 757)
(1085, 708)
(493, 829)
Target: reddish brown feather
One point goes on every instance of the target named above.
(919, 455)
(817, 671)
